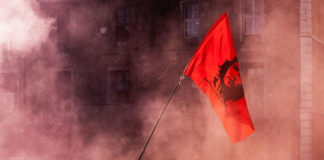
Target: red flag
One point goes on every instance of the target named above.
(214, 68)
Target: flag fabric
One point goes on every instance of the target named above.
(215, 70)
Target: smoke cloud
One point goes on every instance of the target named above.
(21, 28)
(58, 59)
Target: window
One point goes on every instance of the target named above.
(8, 91)
(118, 85)
(252, 16)
(256, 84)
(122, 24)
(63, 90)
(253, 74)
(123, 16)
(57, 34)
(5, 55)
(90, 86)
(191, 19)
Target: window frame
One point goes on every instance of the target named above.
(121, 38)
(12, 94)
(183, 13)
(70, 96)
(256, 70)
(253, 16)
(124, 22)
(112, 88)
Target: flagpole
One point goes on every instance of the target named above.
(169, 99)
(158, 121)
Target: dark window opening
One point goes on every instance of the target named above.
(91, 86)
(122, 25)
(191, 20)
(119, 86)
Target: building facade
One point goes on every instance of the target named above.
(106, 62)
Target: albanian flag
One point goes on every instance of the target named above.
(215, 70)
